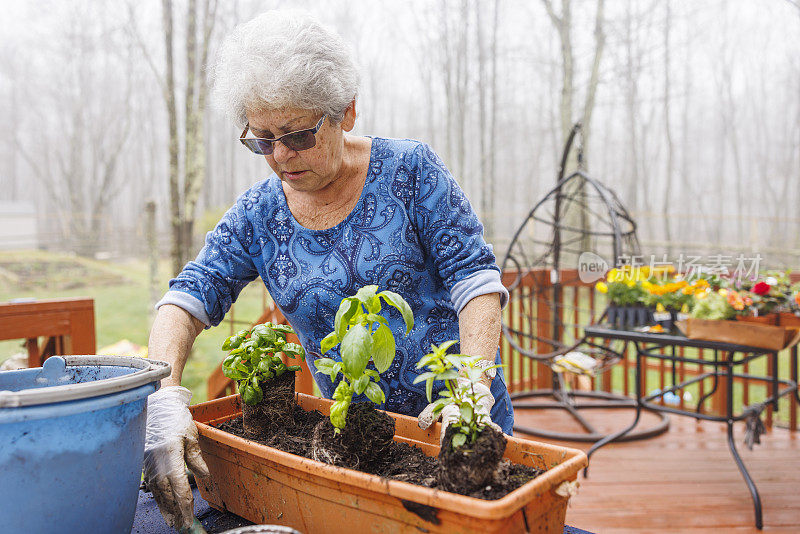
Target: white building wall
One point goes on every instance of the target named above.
(18, 226)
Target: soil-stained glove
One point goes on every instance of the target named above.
(170, 441)
(450, 412)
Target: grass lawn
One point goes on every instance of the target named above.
(122, 302)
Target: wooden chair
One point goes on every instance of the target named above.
(67, 326)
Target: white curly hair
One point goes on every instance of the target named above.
(284, 58)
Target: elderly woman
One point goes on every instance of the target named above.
(338, 212)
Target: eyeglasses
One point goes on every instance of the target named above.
(299, 140)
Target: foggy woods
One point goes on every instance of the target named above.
(691, 113)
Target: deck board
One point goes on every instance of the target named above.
(684, 480)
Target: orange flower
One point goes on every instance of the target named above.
(735, 300)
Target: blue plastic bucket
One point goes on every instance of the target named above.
(72, 441)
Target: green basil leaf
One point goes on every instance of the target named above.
(356, 350)
(366, 293)
(256, 356)
(373, 304)
(328, 342)
(347, 308)
(264, 366)
(264, 334)
(375, 393)
(383, 348)
(446, 345)
(336, 369)
(339, 414)
(459, 440)
(361, 384)
(293, 368)
(375, 318)
(372, 373)
(343, 391)
(467, 413)
(324, 365)
(394, 299)
(429, 389)
(293, 349)
(226, 345)
(424, 376)
(250, 395)
(285, 328)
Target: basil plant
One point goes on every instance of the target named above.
(460, 375)
(255, 358)
(364, 335)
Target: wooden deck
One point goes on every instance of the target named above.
(684, 480)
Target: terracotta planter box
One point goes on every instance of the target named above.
(265, 485)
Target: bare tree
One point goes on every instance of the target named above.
(79, 170)
(183, 200)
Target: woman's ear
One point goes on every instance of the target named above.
(349, 120)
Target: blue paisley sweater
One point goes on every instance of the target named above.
(412, 231)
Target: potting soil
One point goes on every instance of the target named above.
(470, 467)
(362, 444)
(402, 462)
(274, 408)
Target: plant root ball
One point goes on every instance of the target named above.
(362, 443)
(470, 467)
(275, 409)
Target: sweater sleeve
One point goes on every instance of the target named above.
(452, 234)
(207, 286)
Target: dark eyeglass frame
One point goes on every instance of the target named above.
(297, 141)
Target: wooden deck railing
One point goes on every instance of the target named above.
(581, 305)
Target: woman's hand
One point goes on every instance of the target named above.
(450, 413)
(170, 443)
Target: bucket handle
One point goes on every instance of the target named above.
(148, 371)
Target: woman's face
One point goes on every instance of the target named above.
(307, 170)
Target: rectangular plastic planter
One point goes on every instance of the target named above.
(266, 485)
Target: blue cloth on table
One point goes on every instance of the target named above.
(148, 519)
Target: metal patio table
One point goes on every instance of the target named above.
(724, 363)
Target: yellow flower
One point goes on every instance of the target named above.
(723, 292)
(612, 275)
(660, 308)
(630, 283)
(647, 285)
(601, 287)
(703, 293)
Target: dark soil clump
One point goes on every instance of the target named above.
(470, 467)
(275, 409)
(363, 442)
(400, 461)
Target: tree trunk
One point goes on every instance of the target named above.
(667, 132)
(172, 125)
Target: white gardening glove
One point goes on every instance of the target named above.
(450, 413)
(171, 440)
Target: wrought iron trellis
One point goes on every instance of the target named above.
(579, 222)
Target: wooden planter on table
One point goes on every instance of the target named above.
(266, 485)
